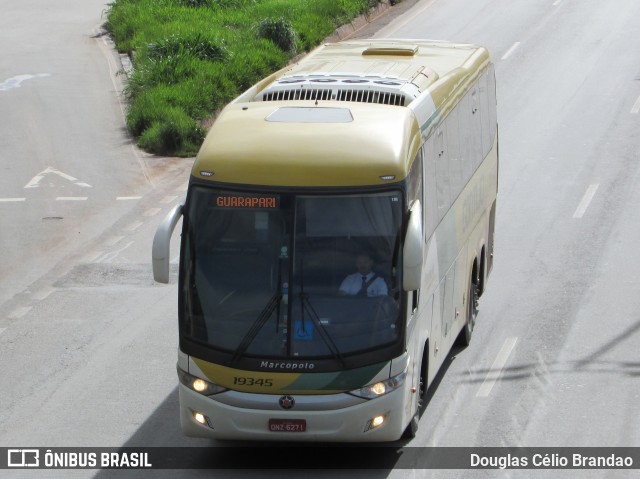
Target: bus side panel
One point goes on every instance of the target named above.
(463, 232)
(474, 212)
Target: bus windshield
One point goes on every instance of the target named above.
(288, 276)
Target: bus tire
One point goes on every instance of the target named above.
(472, 313)
(412, 428)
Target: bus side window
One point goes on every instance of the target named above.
(491, 100)
(476, 129)
(487, 139)
(430, 207)
(442, 173)
(455, 160)
(466, 144)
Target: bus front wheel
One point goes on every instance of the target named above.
(412, 428)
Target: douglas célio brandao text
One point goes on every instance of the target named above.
(550, 461)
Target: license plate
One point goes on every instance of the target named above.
(287, 425)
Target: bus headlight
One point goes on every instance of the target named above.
(375, 422)
(199, 385)
(201, 419)
(380, 388)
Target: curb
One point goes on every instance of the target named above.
(350, 29)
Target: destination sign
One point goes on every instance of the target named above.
(242, 201)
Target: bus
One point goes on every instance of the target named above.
(337, 234)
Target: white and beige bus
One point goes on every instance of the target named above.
(336, 236)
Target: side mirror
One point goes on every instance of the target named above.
(161, 244)
(413, 252)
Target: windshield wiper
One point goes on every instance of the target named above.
(305, 304)
(263, 317)
(257, 325)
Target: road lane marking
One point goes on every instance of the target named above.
(556, 3)
(91, 257)
(497, 367)
(35, 181)
(152, 212)
(113, 240)
(513, 48)
(19, 312)
(2, 330)
(16, 81)
(128, 198)
(586, 201)
(43, 294)
(134, 226)
(71, 198)
(108, 257)
(636, 107)
(11, 200)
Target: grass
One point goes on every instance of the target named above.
(191, 57)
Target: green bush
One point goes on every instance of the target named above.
(280, 32)
(174, 133)
(191, 57)
(197, 45)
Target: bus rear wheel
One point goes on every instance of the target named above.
(472, 313)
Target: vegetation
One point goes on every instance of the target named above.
(191, 57)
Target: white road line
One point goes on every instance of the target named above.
(152, 212)
(556, 3)
(71, 198)
(19, 312)
(496, 367)
(113, 240)
(35, 181)
(168, 199)
(43, 294)
(586, 200)
(513, 48)
(134, 226)
(91, 257)
(2, 330)
(11, 200)
(15, 82)
(636, 107)
(108, 257)
(128, 198)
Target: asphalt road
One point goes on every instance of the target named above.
(66, 158)
(88, 341)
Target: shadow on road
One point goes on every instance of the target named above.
(198, 457)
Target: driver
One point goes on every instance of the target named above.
(364, 282)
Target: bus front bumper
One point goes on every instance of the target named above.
(201, 416)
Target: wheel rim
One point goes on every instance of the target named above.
(473, 307)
